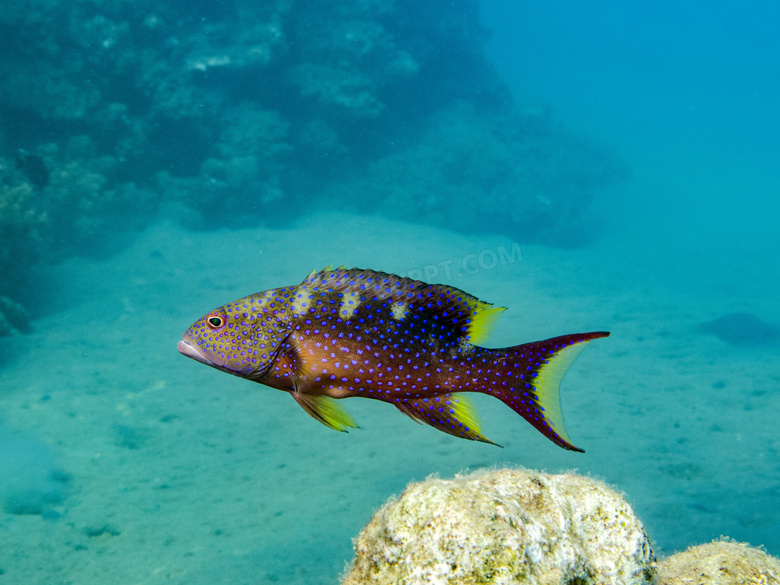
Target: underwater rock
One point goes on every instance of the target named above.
(720, 563)
(33, 167)
(21, 219)
(503, 527)
(741, 329)
(528, 177)
(13, 318)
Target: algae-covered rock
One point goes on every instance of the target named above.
(720, 563)
(504, 527)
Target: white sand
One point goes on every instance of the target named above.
(181, 474)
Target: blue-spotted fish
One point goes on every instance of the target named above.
(343, 333)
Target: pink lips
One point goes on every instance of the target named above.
(193, 352)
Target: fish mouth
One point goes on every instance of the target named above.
(194, 352)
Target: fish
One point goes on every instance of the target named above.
(344, 332)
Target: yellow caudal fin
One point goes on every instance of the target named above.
(326, 410)
(533, 372)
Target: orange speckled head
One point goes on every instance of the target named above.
(242, 337)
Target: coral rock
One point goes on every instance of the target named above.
(720, 563)
(503, 527)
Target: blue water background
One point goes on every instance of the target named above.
(685, 91)
(120, 457)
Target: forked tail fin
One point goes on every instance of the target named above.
(532, 375)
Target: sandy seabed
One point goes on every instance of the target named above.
(128, 463)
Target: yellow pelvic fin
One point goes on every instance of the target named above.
(326, 410)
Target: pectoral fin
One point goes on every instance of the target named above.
(326, 410)
(292, 372)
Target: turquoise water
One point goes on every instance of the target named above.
(122, 461)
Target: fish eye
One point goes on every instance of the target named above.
(215, 322)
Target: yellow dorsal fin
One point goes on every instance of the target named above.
(459, 314)
(484, 317)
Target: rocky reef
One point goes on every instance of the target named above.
(531, 179)
(514, 526)
(504, 527)
(114, 112)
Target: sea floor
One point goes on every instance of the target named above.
(121, 461)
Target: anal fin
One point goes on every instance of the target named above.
(453, 414)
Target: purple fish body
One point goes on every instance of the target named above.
(344, 333)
